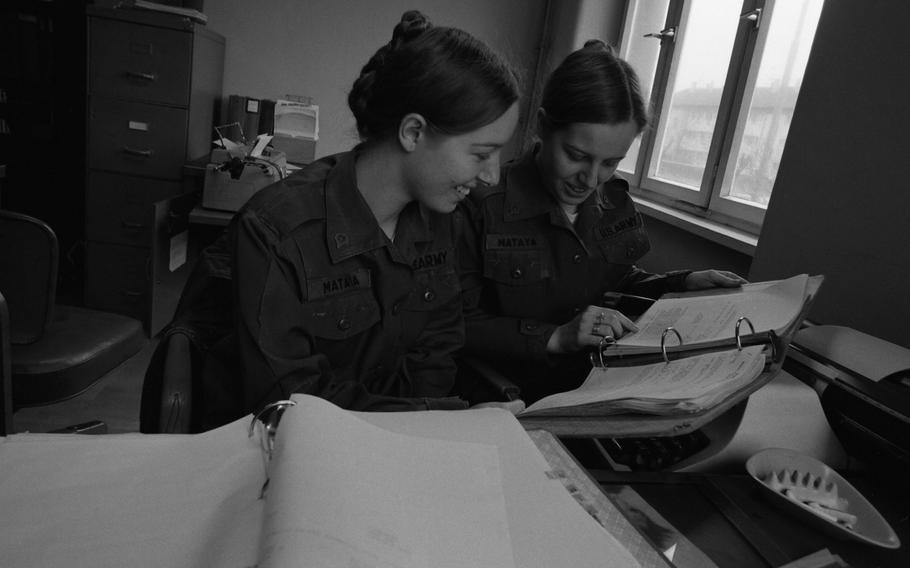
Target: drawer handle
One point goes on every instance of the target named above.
(131, 294)
(135, 152)
(142, 76)
(130, 225)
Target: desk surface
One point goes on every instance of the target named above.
(730, 519)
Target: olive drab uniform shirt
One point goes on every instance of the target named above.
(325, 304)
(526, 270)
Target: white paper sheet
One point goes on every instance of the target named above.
(131, 500)
(703, 318)
(688, 384)
(360, 495)
(547, 526)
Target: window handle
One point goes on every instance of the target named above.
(753, 16)
(666, 33)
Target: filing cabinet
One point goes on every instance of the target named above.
(154, 84)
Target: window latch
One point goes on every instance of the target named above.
(753, 16)
(667, 33)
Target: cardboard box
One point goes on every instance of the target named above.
(225, 192)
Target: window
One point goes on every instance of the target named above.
(722, 79)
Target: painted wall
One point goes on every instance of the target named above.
(675, 249)
(841, 201)
(317, 48)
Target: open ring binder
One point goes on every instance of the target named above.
(787, 301)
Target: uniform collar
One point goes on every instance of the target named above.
(351, 228)
(527, 197)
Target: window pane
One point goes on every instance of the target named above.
(689, 113)
(768, 105)
(647, 16)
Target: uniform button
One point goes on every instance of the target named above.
(630, 251)
(429, 296)
(576, 259)
(396, 308)
(344, 324)
(517, 273)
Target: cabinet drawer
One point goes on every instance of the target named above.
(119, 209)
(137, 138)
(117, 278)
(139, 62)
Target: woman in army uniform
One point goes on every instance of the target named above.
(340, 281)
(559, 231)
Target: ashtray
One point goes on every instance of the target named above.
(820, 496)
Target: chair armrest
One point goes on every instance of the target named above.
(502, 386)
(177, 386)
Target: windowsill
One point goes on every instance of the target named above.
(723, 235)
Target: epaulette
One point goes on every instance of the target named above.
(614, 192)
(479, 194)
(295, 200)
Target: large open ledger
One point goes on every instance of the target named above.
(331, 488)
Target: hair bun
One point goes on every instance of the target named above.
(412, 24)
(599, 45)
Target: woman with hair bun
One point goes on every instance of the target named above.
(341, 280)
(559, 231)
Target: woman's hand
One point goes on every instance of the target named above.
(704, 279)
(513, 406)
(588, 329)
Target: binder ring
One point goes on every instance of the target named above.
(269, 417)
(605, 341)
(739, 343)
(663, 342)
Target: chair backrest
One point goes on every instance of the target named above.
(28, 274)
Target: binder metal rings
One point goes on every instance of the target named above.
(269, 417)
(663, 341)
(605, 341)
(739, 322)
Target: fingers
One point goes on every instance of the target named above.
(713, 278)
(607, 323)
(732, 279)
(513, 406)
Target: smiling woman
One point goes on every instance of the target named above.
(340, 281)
(559, 231)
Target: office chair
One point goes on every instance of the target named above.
(167, 390)
(53, 352)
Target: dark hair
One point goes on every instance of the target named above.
(593, 85)
(454, 81)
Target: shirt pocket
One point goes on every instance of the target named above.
(343, 316)
(433, 288)
(516, 267)
(626, 248)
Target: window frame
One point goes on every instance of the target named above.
(742, 73)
